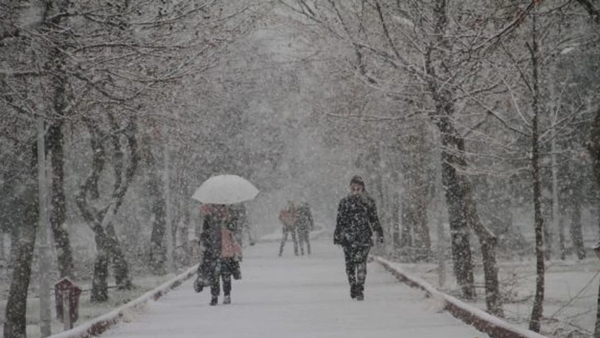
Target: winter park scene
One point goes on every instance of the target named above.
(299, 168)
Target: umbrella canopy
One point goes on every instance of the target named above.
(225, 189)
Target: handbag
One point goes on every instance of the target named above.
(199, 284)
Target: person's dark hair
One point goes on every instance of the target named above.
(357, 180)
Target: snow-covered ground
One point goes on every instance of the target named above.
(304, 296)
(570, 300)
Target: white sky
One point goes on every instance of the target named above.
(305, 296)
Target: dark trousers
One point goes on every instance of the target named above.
(284, 239)
(303, 236)
(356, 266)
(223, 271)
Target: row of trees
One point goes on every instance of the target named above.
(458, 98)
(105, 77)
(509, 90)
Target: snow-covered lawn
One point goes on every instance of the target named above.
(570, 298)
(87, 310)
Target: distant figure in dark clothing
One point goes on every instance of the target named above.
(356, 221)
(240, 217)
(288, 217)
(304, 224)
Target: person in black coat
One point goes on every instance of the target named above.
(304, 224)
(356, 220)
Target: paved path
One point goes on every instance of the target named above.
(305, 296)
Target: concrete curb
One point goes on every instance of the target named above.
(481, 320)
(100, 324)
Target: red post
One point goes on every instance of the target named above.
(66, 298)
(597, 326)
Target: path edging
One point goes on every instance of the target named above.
(98, 325)
(481, 320)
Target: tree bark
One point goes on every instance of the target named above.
(100, 221)
(421, 230)
(406, 221)
(459, 231)
(452, 153)
(55, 142)
(576, 228)
(58, 213)
(488, 241)
(158, 252)
(14, 247)
(99, 291)
(561, 238)
(16, 305)
(396, 224)
(538, 303)
(2, 249)
(120, 265)
(594, 146)
(555, 200)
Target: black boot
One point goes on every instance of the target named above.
(360, 296)
(353, 291)
(359, 292)
(214, 300)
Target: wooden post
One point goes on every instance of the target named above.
(597, 326)
(66, 305)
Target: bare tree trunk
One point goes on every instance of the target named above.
(555, 200)
(58, 213)
(576, 227)
(548, 234)
(120, 265)
(441, 252)
(184, 233)
(406, 221)
(55, 144)
(597, 325)
(561, 238)
(396, 224)
(594, 146)
(99, 291)
(2, 247)
(488, 241)
(158, 252)
(594, 149)
(452, 154)
(16, 305)
(100, 221)
(574, 208)
(538, 303)
(421, 188)
(415, 234)
(421, 242)
(14, 247)
(459, 231)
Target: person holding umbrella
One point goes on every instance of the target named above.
(222, 252)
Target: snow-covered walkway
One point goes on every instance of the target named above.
(304, 296)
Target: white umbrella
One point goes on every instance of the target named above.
(225, 189)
